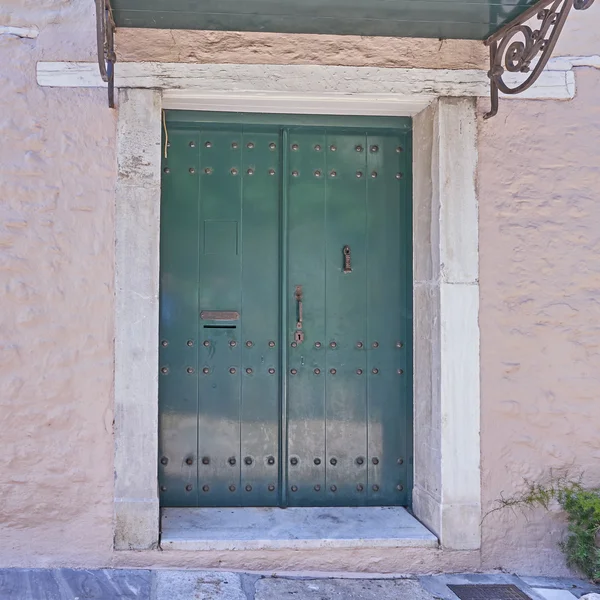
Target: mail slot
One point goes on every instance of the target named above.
(219, 315)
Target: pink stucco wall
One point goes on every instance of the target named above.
(539, 176)
(57, 178)
(539, 190)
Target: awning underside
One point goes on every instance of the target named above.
(461, 19)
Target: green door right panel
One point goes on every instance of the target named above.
(250, 414)
(349, 381)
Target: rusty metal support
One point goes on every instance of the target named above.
(105, 31)
(514, 47)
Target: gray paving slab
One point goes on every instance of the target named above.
(72, 584)
(340, 589)
(577, 587)
(198, 585)
(25, 584)
(553, 594)
(122, 584)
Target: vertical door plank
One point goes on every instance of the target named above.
(260, 317)
(178, 337)
(220, 289)
(388, 284)
(306, 387)
(346, 305)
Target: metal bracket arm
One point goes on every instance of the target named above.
(105, 30)
(514, 47)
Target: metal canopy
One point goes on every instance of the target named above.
(521, 34)
(463, 19)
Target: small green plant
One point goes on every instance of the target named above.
(582, 546)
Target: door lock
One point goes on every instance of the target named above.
(347, 259)
(299, 334)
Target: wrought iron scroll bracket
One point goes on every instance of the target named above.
(105, 30)
(514, 47)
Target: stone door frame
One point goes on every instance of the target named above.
(447, 478)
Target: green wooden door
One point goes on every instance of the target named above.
(285, 313)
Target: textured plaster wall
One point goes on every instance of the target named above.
(539, 186)
(288, 49)
(57, 178)
(581, 36)
(539, 179)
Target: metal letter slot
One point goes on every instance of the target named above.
(219, 315)
(299, 334)
(347, 260)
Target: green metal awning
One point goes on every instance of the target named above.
(463, 19)
(520, 34)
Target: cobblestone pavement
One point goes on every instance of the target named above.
(122, 584)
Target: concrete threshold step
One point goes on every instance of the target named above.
(292, 528)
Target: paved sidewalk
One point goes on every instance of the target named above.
(117, 584)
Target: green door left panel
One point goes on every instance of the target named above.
(219, 318)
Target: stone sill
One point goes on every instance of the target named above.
(202, 529)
